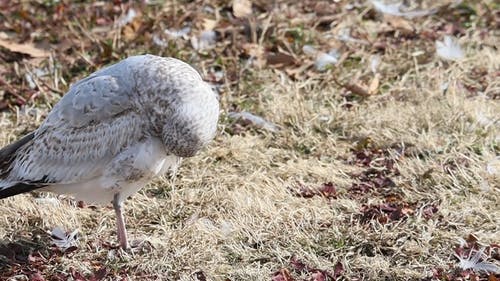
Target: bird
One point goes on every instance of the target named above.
(113, 132)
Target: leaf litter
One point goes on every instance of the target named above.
(371, 67)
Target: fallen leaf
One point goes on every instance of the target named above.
(355, 88)
(324, 8)
(26, 48)
(209, 24)
(37, 276)
(400, 24)
(319, 276)
(242, 8)
(131, 31)
(253, 50)
(77, 276)
(99, 274)
(339, 269)
(298, 265)
(280, 59)
(429, 211)
(385, 213)
(328, 190)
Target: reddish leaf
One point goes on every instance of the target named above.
(339, 269)
(280, 59)
(318, 276)
(99, 274)
(37, 276)
(298, 265)
(383, 181)
(77, 276)
(429, 211)
(328, 190)
(35, 258)
(385, 212)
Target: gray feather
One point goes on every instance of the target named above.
(112, 111)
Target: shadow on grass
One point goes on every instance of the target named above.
(21, 256)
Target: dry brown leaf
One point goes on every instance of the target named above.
(130, 31)
(400, 24)
(254, 50)
(356, 88)
(280, 59)
(242, 8)
(26, 48)
(209, 24)
(324, 8)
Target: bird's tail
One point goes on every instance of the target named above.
(7, 155)
(11, 189)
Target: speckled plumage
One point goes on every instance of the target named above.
(114, 131)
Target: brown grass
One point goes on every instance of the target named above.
(235, 211)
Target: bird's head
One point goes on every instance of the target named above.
(191, 123)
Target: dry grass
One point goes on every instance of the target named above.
(234, 212)
(232, 215)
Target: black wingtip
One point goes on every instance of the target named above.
(8, 153)
(18, 188)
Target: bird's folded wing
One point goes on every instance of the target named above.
(90, 125)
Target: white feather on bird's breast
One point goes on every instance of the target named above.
(128, 172)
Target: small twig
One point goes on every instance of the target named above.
(52, 88)
(354, 88)
(267, 23)
(11, 90)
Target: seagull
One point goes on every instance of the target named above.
(113, 132)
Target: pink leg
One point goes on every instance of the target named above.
(120, 222)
